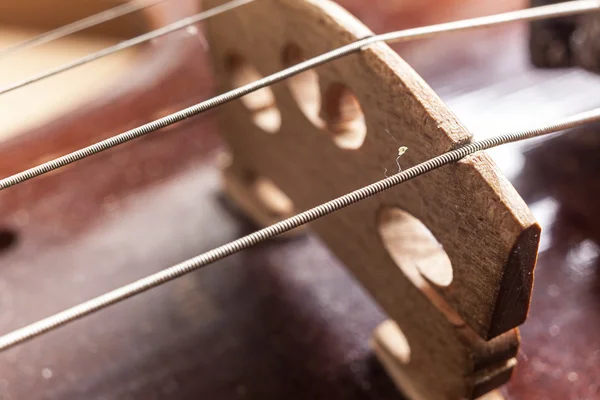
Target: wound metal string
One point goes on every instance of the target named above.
(555, 10)
(78, 26)
(169, 274)
(126, 44)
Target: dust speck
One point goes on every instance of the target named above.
(572, 377)
(553, 291)
(47, 373)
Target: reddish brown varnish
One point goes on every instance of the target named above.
(283, 320)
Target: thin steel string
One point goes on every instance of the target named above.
(530, 14)
(166, 275)
(77, 26)
(126, 44)
(555, 10)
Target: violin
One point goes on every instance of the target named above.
(415, 293)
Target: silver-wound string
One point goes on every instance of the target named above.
(78, 26)
(38, 328)
(561, 9)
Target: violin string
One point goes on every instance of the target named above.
(126, 44)
(555, 10)
(78, 26)
(550, 11)
(38, 328)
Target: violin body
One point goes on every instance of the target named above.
(285, 319)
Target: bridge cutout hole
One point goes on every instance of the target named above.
(272, 198)
(261, 104)
(304, 87)
(395, 341)
(343, 117)
(414, 248)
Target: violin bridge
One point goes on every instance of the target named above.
(448, 256)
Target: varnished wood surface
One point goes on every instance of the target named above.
(43, 15)
(126, 98)
(283, 320)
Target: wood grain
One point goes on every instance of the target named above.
(479, 219)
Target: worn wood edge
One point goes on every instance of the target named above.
(516, 286)
(517, 283)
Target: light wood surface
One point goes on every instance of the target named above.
(481, 223)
